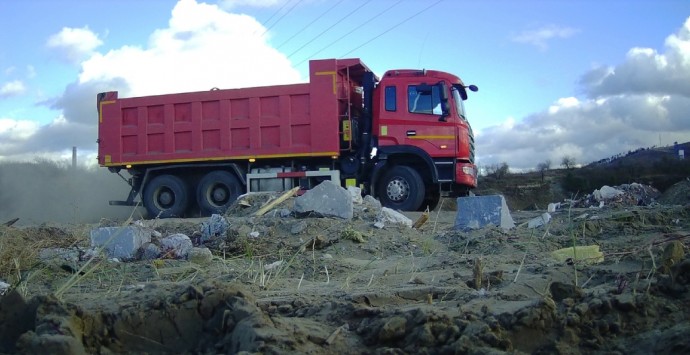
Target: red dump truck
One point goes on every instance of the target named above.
(403, 138)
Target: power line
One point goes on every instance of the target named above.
(276, 12)
(281, 17)
(310, 23)
(327, 29)
(348, 33)
(391, 28)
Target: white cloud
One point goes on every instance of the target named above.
(203, 47)
(20, 129)
(229, 4)
(74, 44)
(647, 71)
(12, 88)
(539, 37)
(642, 102)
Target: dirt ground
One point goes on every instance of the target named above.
(312, 285)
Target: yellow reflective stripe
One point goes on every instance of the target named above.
(244, 157)
(100, 109)
(332, 73)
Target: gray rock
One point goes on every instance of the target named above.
(476, 212)
(201, 256)
(177, 245)
(120, 242)
(214, 227)
(326, 199)
(150, 251)
(394, 217)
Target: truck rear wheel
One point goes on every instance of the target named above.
(216, 191)
(401, 188)
(166, 196)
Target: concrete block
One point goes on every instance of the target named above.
(475, 212)
(120, 242)
(326, 199)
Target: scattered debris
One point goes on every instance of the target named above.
(10, 222)
(619, 196)
(539, 221)
(277, 201)
(588, 254)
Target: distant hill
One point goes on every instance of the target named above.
(659, 167)
(645, 156)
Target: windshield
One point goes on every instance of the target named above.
(459, 105)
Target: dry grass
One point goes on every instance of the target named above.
(19, 248)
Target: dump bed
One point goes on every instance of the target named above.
(300, 120)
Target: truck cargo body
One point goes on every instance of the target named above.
(263, 122)
(194, 153)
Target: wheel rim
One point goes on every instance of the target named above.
(398, 190)
(218, 194)
(165, 198)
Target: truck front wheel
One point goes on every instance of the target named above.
(216, 191)
(401, 188)
(166, 196)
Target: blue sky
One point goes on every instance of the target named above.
(587, 79)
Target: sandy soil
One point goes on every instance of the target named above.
(325, 286)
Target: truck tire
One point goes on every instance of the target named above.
(401, 188)
(166, 196)
(216, 191)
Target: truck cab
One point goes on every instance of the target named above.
(424, 142)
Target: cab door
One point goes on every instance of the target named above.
(432, 127)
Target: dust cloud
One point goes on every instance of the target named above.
(47, 191)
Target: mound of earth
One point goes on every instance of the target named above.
(320, 285)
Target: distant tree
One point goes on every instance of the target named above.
(543, 167)
(498, 171)
(568, 162)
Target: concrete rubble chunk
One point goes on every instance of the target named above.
(356, 193)
(120, 242)
(476, 212)
(326, 199)
(214, 227)
(392, 216)
(539, 221)
(58, 255)
(177, 245)
(553, 207)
